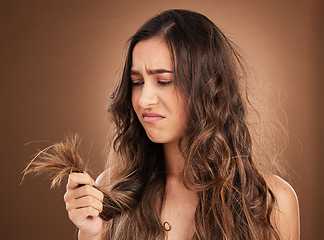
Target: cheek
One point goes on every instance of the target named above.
(182, 110)
(134, 100)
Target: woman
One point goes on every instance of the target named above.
(182, 166)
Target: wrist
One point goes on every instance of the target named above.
(84, 236)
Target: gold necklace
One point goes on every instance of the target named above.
(166, 225)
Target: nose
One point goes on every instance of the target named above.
(148, 97)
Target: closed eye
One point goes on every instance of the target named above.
(165, 83)
(137, 83)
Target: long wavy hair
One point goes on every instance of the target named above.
(234, 199)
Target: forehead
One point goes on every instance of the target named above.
(151, 54)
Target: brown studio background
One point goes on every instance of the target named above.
(58, 60)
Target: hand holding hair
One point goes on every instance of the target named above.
(63, 158)
(84, 204)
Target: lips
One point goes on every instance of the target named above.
(152, 117)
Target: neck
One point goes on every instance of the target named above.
(173, 160)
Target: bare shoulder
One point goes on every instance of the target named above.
(286, 211)
(103, 178)
(282, 190)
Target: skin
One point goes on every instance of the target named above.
(84, 205)
(286, 216)
(161, 110)
(153, 92)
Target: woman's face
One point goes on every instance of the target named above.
(160, 108)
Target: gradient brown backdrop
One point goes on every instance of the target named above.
(58, 60)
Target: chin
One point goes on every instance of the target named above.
(156, 140)
(160, 139)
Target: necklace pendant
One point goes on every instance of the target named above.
(167, 226)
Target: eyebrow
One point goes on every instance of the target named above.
(151, 72)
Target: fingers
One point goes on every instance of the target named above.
(81, 194)
(77, 179)
(84, 196)
(84, 202)
(86, 190)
